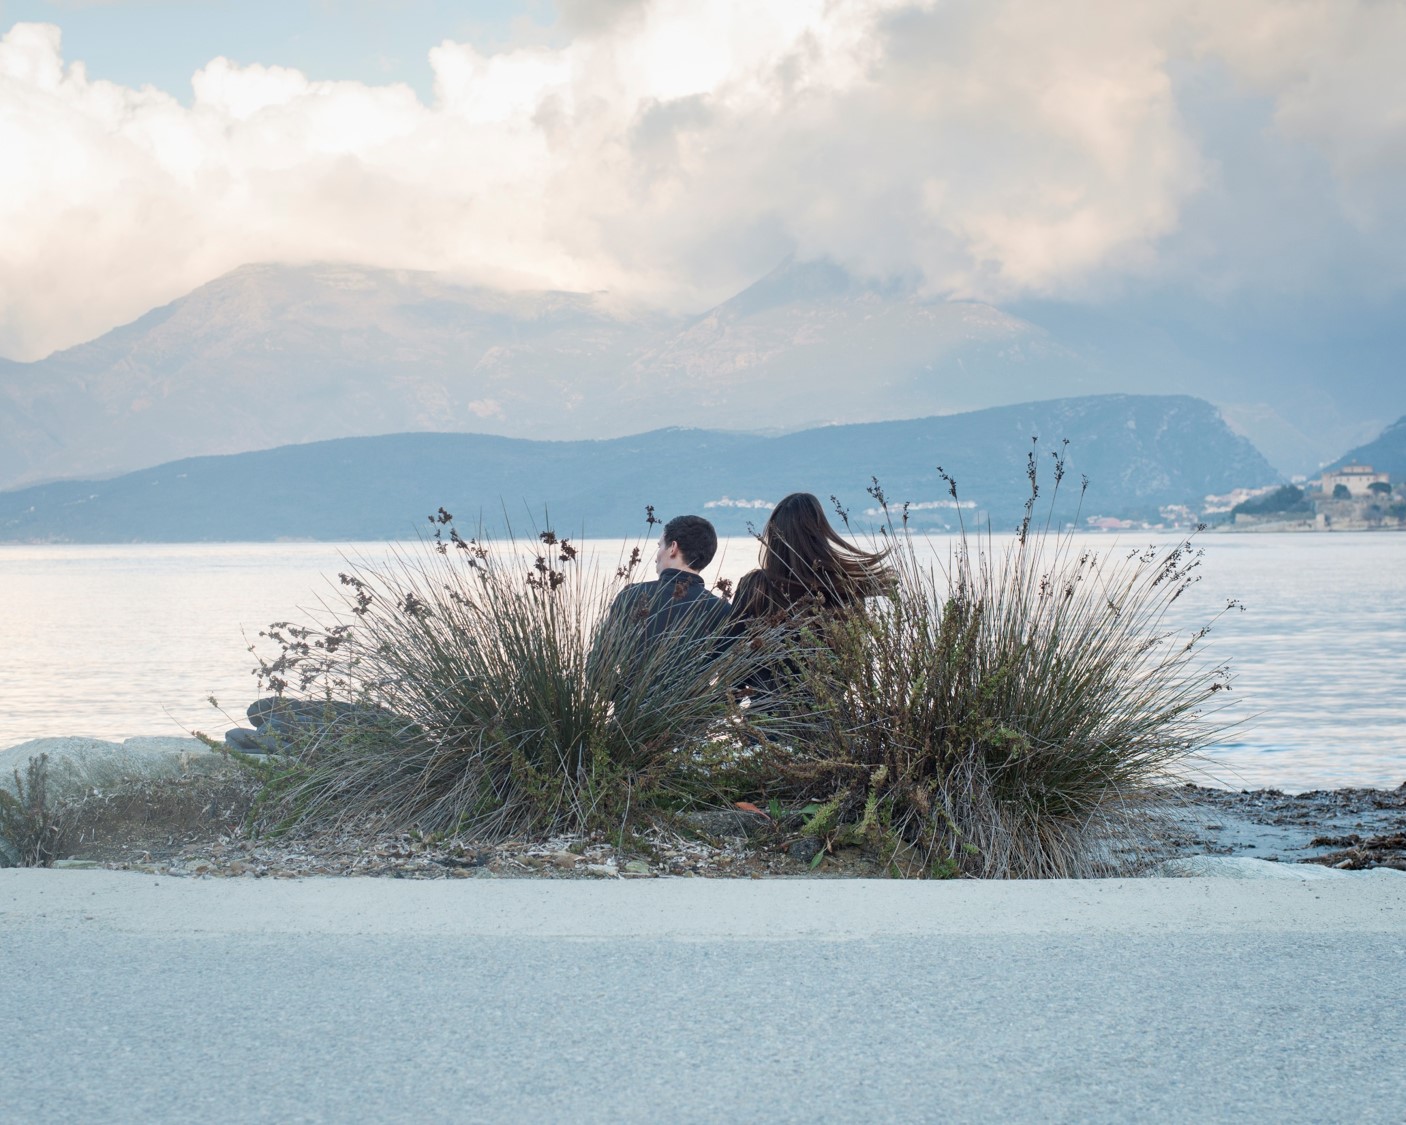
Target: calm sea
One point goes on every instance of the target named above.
(114, 641)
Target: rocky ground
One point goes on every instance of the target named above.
(194, 827)
(1351, 829)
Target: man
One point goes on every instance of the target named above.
(672, 620)
(677, 600)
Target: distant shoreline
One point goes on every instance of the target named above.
(1298, 528)
(306, 541)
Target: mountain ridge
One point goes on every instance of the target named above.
(1386, 452)
(1140, 453)
(273, 354)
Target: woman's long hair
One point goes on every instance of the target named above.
(805, 562)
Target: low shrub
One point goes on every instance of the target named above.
(1286, 500)
(1001, 715)
(478, 689)
(32, 832)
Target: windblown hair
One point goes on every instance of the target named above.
(804, 562)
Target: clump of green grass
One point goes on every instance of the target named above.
(1001, 715)
(32, 833)
(489, 696)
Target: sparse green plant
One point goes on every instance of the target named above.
(997, 715)
(479, 688)
(1286, 500)
(33, 830)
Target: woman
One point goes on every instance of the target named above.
(806, 570)
(807, 567)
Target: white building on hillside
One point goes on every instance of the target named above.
(1357, 479)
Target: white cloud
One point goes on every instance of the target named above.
(671, 151)
(1335, 74)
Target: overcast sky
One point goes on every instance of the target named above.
(671, 151)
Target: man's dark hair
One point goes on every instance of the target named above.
(697, 540)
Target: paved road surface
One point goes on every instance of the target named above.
(129, 998)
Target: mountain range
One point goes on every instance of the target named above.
(271, 355)
(1386, 453)
(1139, 453)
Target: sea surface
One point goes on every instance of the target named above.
(116, 641)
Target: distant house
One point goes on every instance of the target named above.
(1357, 479)
(1225, 502)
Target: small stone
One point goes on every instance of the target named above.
(637, 867)
(248, 741)
(565, 860)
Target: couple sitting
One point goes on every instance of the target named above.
(805, 568)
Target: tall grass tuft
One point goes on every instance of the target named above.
(1001, 715)
(32, 832)
(478, 687)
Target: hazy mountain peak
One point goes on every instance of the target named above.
(790, 282)
(275, 353)
(1386, 453)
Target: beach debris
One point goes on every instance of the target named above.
(1358, 854)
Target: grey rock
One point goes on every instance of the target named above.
(804, 849)
(79, 765)
(280, 711)
(293, 719)
(251, 741)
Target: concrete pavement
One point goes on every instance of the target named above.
(136, 998)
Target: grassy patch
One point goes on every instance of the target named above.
(32, 832)
(1000, 715)
(477, 688)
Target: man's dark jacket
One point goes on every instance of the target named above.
(659, 628)
(675, 603)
